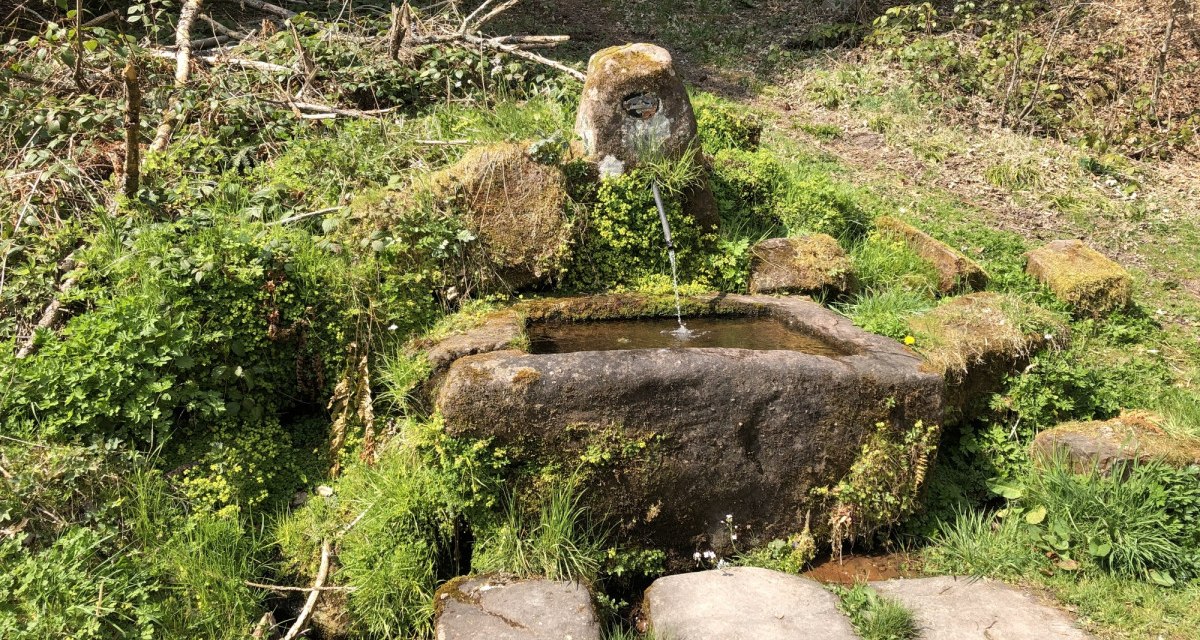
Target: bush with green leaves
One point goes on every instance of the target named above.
(725, 125)
(122, 558)
(395, 525)
(623, 239)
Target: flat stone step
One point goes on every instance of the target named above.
(950, 608)
(744, 603)
(504, 608)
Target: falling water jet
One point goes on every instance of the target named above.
(682, 332)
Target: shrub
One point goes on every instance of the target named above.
(815, 203)
(746, 186)
(400, 546)
(623, 239)
(725, 125)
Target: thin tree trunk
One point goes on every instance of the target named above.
(133, 128)
(1172, 6)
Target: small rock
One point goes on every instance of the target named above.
(1082, 277)
(812, 264)
(325, 491)
(744, 603)
(948, 608)
(956, 272)
(502, 607)
(300, 498)
(1106, 445)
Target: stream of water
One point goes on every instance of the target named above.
(682, 331)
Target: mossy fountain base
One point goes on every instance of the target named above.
(676, 439)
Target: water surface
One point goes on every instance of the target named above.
(758, 333)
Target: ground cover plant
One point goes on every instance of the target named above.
(211, 381)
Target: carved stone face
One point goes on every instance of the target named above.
(642, 106)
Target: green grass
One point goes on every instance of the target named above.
(977, 543)
(556, 541)
(876, 617)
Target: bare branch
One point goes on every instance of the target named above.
(314, 593)
(52, 312)
(267, 7)
(222, 59)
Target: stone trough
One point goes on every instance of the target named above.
(680, 436)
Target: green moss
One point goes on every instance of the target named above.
(983, 328)
(1082, 277)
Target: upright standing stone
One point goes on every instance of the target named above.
(744, 603)
(634, 105)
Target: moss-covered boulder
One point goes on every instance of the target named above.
(1108, 445)
(515, 207)
(812, 264)
(1082, 277)
(956, 272)
(976, 339)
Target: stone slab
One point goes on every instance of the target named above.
(744, 603)
(505, 608)
(950, 608)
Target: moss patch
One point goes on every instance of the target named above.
(812, 264)
(984, 327)
(515, 207)
(1082, 277)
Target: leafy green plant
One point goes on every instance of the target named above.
(1138, 524)
(977, 543)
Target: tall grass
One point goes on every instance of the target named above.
(556, 542)
(876, 617)
(977, 543)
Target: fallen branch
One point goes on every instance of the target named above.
(224, 30)
(222, 59)
(313, 594)
(442, 143)
(265, 623)
(325, 109)
(279, 587)
(100, 19)
(521, 53)
(302, 216)
(53, 310)
(270, 8)
(133, 128)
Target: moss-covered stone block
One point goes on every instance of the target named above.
(956, 272)
(1082, 277)
(974, 340)
(812, 264)
(1133, 437)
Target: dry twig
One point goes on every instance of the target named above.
(314, 593)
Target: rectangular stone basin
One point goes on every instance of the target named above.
(675, 439)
